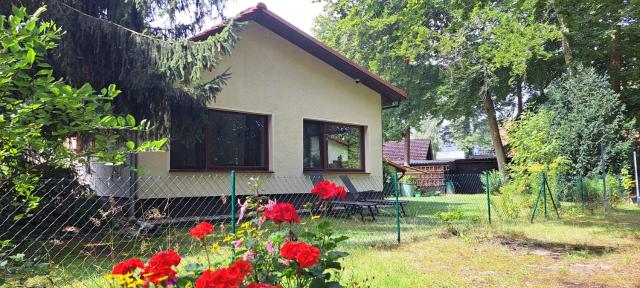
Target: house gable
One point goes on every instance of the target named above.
(260, 14)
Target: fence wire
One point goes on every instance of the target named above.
(84, 225)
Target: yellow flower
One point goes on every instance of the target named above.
(215, 247)
(315, 217)
(163, 278)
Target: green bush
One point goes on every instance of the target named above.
(496, 180)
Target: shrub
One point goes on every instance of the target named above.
(262, 255)
(496, 180)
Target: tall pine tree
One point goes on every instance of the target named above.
(142, 47)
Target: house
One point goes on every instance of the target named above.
(293, 106)
(420, 149)
(452, 165)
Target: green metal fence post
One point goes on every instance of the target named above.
(535, 206)
(581, 191)
(604, 177)
(544, 192)
(395, 189)
(233, 202)
(487, 181)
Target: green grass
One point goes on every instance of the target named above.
(580, 251)
(575, 251)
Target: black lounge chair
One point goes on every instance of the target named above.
(380, 202)
(351, 206)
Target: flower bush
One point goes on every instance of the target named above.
(264, 252)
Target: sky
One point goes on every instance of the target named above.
(299, 12)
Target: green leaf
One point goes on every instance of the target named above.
(131, 145)
(31, 55)
(131, 120)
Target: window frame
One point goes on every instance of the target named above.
(324, 149)
(208, 166)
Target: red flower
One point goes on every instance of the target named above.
(201, 230)
(329, 191)
(262, 285)
(304, 254)
(160, 266)
(230, 277)
(127, 266)
(282, 212)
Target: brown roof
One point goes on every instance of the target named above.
(286, 30)
(420, 151)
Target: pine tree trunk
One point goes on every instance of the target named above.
(407, 147)
(498, 149)
(615, 59)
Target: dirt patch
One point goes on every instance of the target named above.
(555, 250)
(570, 284)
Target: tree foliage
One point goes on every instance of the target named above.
(565, 134)
(455, 58)
(141, 46)
(589, 114)
(533, 144)
(39, 113)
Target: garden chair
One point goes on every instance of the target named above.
(351, 206)
(380, 202)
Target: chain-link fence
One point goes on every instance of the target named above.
(82, 226)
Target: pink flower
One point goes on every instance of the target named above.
(248, 256)
(243, 209)
(237, 243)
(270, 247)
(270, 204)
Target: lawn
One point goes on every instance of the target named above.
(582, 250)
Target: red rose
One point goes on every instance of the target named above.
(341, 193)
(201, 230)
(230, 277)
(282, 212)
(304, 254)
(262, 285)
(160, 266)
(127, 266)
(329, 191)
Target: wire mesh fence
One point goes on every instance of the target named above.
(84, 225)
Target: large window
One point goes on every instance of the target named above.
(330, 146)
(231, 140)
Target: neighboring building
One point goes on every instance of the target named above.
(292, 106)
(451, 165)
(395, 151)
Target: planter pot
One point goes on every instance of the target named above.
(417, 195)
(406, 190)
(449, 188)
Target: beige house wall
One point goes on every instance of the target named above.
(271, 76)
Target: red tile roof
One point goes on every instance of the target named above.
(260, 14)
(420, 150)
